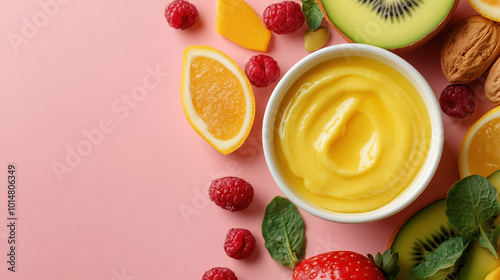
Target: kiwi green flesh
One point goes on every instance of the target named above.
(421, 234)
(429, 226)
(479, 263)
(389, 24)
(494, 179)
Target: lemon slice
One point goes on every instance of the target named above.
(217, 98)
(480, 150)
(487, 8)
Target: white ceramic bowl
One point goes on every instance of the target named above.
(429, 166)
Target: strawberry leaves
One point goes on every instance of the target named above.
(387, 262)
(284, 232)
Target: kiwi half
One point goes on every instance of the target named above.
(426, 229)
(421, 234)
(397, 25)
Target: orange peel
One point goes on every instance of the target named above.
(488, 8)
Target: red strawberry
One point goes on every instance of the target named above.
(338, 265)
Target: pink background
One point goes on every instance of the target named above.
(94, 86)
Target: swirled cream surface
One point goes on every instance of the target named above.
(352, 135)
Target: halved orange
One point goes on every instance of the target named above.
(487, 8)
(217, 98)
(480, 150)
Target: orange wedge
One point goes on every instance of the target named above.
(480, 150)
(217, 98)
(487, 8)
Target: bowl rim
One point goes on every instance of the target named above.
(423, 177)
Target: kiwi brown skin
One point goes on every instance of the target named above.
(407, 48)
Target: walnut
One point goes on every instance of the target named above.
(492, 85)
(469, 49)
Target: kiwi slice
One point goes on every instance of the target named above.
(421, 234)
(397, 25)
(425, 230)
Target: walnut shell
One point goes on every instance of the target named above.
(492, 84)
(469, 49)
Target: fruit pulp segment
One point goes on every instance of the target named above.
(217, 97)
(485, 148)
(238, 22)
(493, 3)
(362, 23)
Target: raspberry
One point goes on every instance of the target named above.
(239, 243)
(219, 273)
(284, 17)
(181, 14)
(262, 70)
(231, 193)
(457, 101)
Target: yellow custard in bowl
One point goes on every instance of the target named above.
(352, 133)
(347, 133)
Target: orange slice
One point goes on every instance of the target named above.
(238, 22)
(480, 150)
(487, 8)
(217, 98)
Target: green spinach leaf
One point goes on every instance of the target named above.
(312, 13)
(472, 206)
(284, 232)
(439, 263)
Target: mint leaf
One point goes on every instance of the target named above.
(284, 232)
(439, 263)
(485, 239)
(312, 13)
(472, 206)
